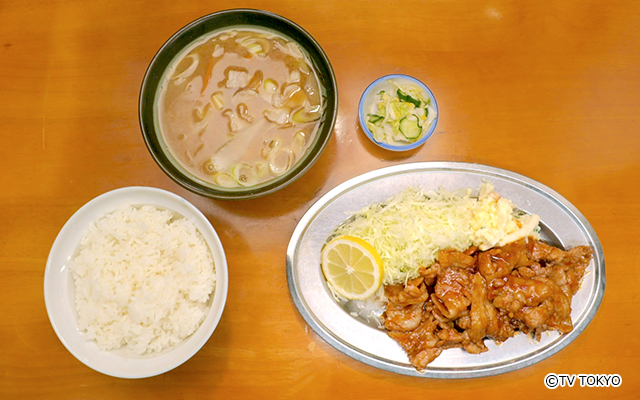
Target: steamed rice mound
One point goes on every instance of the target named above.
(143, 277)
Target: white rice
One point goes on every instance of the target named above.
(143, 277)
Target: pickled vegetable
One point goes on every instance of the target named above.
(400, 113)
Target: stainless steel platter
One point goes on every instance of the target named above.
(561, 224)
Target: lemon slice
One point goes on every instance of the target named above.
(352, 267)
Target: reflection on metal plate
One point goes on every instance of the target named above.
(562, 224)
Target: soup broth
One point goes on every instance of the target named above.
(240, 107)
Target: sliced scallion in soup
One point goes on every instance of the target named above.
(240, 107)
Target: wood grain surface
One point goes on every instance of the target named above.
(550, 90)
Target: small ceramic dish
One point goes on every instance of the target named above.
(398, 112)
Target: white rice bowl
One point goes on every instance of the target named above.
(153, 315)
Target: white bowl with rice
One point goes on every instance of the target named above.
(136, 282)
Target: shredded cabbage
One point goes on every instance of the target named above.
(409, 229)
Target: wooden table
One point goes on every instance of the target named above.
(547, 90)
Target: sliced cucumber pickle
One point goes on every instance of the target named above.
(408, 99)
(374, 118)
(410, 127)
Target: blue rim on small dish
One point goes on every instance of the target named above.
(410, 146)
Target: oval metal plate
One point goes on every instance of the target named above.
(561, 222)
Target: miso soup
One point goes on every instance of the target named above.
(240, 107)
